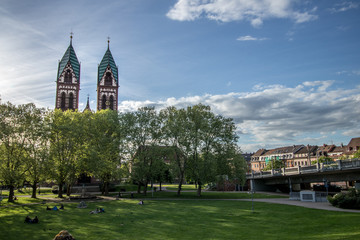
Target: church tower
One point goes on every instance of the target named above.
(107, 82)
(68, 81)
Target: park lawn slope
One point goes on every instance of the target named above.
(125, 219)
(204, 195)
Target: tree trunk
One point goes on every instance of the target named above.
(145, 188)
(68, 190)
(102, 188)
(33, 195)
(139, 188)
(160, 187)
(106, 188)
(179, 187)
(11, 194)
(60, 194)
(199, 190)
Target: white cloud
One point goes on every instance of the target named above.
(356, 72)
(278, 114)
(349, 73)
(323, 85)
(343, 7)
(253, 11)
(250, 38)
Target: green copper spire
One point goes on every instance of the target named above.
(106, 61)
(70, 56)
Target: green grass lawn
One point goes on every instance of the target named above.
(27, 191)
(204, 195)
(185, 187)
(163, 219)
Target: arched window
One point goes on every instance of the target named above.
(112, 102)
(68, 76)
(71, 101)
(108, 79)
(103, 102)
(63, 97)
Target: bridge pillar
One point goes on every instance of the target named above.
(357, 184)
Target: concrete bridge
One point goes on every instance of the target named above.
(341, 170)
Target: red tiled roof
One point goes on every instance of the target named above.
(259, 152)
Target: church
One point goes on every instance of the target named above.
(68, 82)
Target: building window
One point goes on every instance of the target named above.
(68, 77)
(112, 102)
(71, 101)
(103, 102)
(62, 105)
(108, 79)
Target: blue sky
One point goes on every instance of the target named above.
(286, 71)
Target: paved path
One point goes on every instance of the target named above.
(314, 205)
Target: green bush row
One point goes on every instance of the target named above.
(349, 200)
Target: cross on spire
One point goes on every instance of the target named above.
(71, 37)
(108, 38)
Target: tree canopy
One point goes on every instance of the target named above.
(191, 143)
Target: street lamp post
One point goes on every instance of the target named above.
(326, 186)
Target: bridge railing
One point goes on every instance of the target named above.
(338, 165)
(353, 163)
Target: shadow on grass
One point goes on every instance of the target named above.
(204, 195)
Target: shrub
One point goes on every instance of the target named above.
(55, 189)
(349, 200)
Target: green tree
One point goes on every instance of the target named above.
(104, 148)
(143, 134)
(238, 166)
(274, 163)
(357, 154)
(175, 135)
(14, 122)
(66, 147)
(37, 147)
(323, 159)
(211, 138)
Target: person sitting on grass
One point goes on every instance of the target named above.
(82, 204)
(62, 207)
(95, 211)
(54, 208)
(35, 220)
(98, 210)
(28, 220)
(141, 202)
